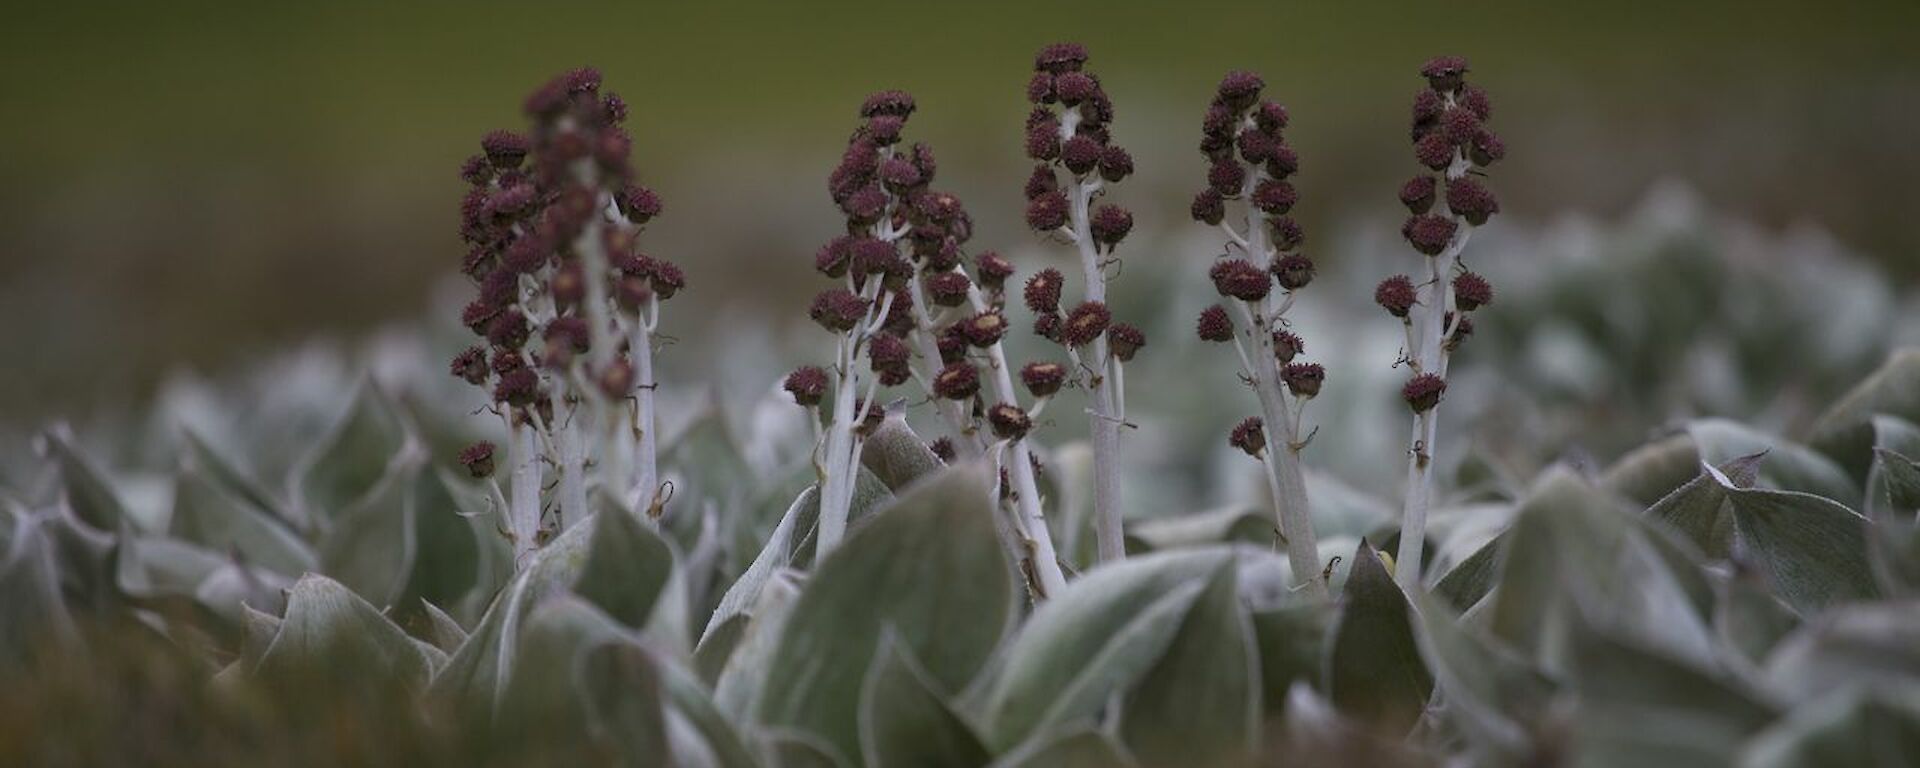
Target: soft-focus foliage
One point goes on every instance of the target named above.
(203, 584)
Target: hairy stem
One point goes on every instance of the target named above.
(523, 517)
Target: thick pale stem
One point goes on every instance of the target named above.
(838, 483)
(523, 517)
(573, 469)
(646, 473)
(1105, 427)
(967, 439)
(1431, 356)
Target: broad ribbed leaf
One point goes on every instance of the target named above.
(1495, 697)
(905, 722)
(1845, 431)
(896, 455)
(84, 485)
(930, 566)
(370, 546)
(1858, 727)
(626, 569)
(1099, 635)
(328, 629)
(1199, 705)
(1292, 644)
(351, 458)
(1788, 466)
(1870, 644)
(1474, 577)
(1638, 707)
(1699, 509)
(1813, 550)
(1228, 525)
(1374, 670)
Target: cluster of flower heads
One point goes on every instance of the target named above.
(1069, 130)
(1242, 137)
(899, 229)
(532, 198)
(1451, 140)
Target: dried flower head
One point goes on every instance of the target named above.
(1240, 279)
(992, 269)
(1423, 392)
(1124, 341)
(1215, 325)
(1274, 197)
(1209, 207)
(984, 329)
(1110, 225)
(1043, 379)
(470, 366)
(958, 381)
(1471, 200)
(1043, 290)
(1287, 346)
(478, 459)
(948, 289)
(1250, 436)
(1396, 295)
(1471, 291)
(1085, 324)
(807, 384)
(1303, 379)
(1009, 421)
(1293, 271)
(1429, 234)
(1418, 194)
(1444, 73)
(838, 310)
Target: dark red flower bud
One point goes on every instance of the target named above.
(507, 360)
(1396, 295)
(518, 387)
(1047, 212)
(871, 255)
(1471, 291)
(1303, 379)
(1423, 392)
(1071, 88)
(807, 384)
(616, 379)
(1080, 154)
(477, 315)
(838, 309)
(1283, 163)
(895, 103)
(1240, 279)
(952, 344)
(1487, 148)
(1047, 325)
(1286, 233)
(1429, 234)
(865, 205)
(884, 130)
(992, 269)
(1115, 164)
(1417, 194)
(633, 292)
(1009, 421)
(1060, 57)
(478, 459)
(508, 329)
(1041, 182)
(1226, 177)
(1271, 117)
(833, 258)
(1444, 73)
(886, 351)
(1476, 101)
(948, 289)
(1124, 340)
(1110, 225)
(1274, 197)
(1043, 379)
(1208, 207)
(1043, 140)
(958, 381)
(1470, 200)
(1215, 325)
(1434, 151)
(1460, 125)
(984, 329)
(1250, 436)
(1043, 291)
(943, 448)
(1427, 107)
(1085, 324)
(1040, 88)
(476, 170)
(638, 203)
(1239, 89)
(470, 365)
(505, 149)
(667, 279)
(1293, 271)
(1287, 346)
(567, 333)
(899, 174)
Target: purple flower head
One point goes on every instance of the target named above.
(1274, 198)
(1444, 73)
(1429, 234)
(1124, 341)
(1239, 89)
(1471, 291)
(891, 103)
(1208, 207)
(1250, 435)
(1240, 279)
(992, 269)
(948, 289)
(1047, 212)
(1304, 379)
(1043, 379)
(1423, 392)
(1471, 200)
(1287, 346)
(1043, 290)
(1418, 194)
(1396, 295)
(1060, 57)
(470, 366)
(1110, 225)
(1080, 154)
(984, 329)
(838, 309)
(478, 459)
(1293, 271)
(958, 381)
(1085, 324)
(807, 384)
(1215, 325)
(1009, 421)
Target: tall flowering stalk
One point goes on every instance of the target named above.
(1250, 163)
(567, 306)
(1068, 130)
(894, 304)
(1450, 138)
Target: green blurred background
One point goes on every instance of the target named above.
(195, 183)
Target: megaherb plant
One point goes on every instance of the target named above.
(1719, 596)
